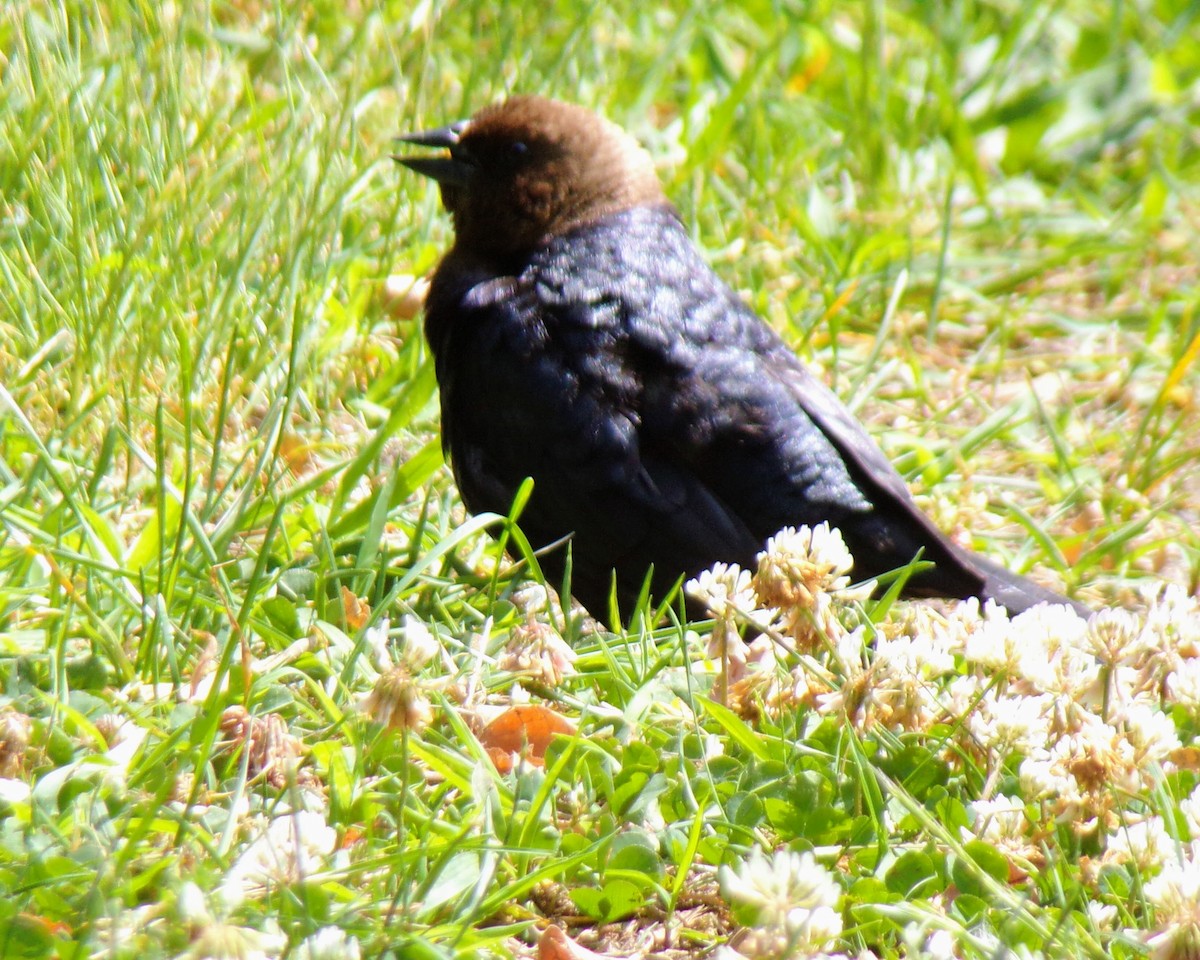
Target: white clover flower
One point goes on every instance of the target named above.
(1050, 637)
(14, 791)
(1145, 844)
(226, 940)
(537, 651)
(397, 701)
(922, 943)
(291, 848)
(944, 630)
(15, 732)
(531, 598)
(1026, 646)
(1073, 675)
(1043, 776)
(939, 945)
(1183, 684)
(1175, 895)
(899, 687)
(1040, 648)
(375, 639)
(961, 694)
(1111, 634)
(790, 893)
(328, 943)
(849, 652)
(806, 686)
(191, 905)
(1002, 822)
(1084, 772)
(1103, 915)
(420, 645)
(1059, 623)
(823, 955)
(994, 646)
(800, 564)
(122, 932)
(1005, 725)
(851, 696)
(1151, 731)
(1172, 628)
(915, 652)
(271, 750)
(800, 575)
(724, 590)
(752, 669)
(1190, 808)
(1173, 607)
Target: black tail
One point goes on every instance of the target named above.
(1017, 593)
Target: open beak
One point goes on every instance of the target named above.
(451, 171)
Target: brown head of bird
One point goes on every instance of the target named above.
(529, 168)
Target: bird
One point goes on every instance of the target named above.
(580, 338)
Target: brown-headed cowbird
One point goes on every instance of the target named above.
(580, 339)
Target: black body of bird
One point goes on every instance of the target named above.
(580, 339)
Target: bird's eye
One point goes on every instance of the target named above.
(518, 149)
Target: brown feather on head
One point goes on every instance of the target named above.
(530, 168)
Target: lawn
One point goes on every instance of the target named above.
(267, 690)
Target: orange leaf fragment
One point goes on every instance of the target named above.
(526, 730)
(404, 295)
(356, 610)
(556, 945)
(298, 454)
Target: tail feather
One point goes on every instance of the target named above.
(1017, 593)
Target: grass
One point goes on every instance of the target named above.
(224, 518)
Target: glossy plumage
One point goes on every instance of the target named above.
(580, 339)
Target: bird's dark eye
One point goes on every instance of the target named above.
(518, 149)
